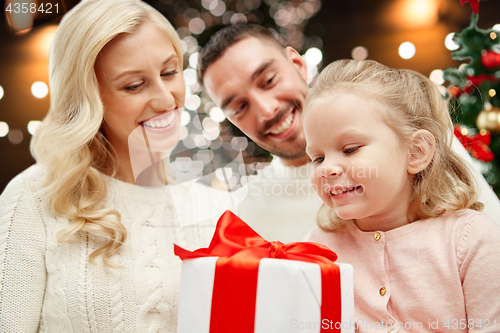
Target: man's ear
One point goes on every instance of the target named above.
(421, 152)
(298, 61)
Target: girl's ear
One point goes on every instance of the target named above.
(421, 152)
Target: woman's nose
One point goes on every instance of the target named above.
(162, 97)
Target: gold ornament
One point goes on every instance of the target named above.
(489, 119)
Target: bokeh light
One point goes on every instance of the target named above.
(193, 102)
(190, 76)
(193, 60)
(185, 118)
(313, 56)
(1, 92)
(238, 18)
(407, 50)
(4, 129)
(15, 136)
(197, 25)
(33, 125)
(449, 43)
(217, 8)
(359, 53)
(216, 114)
(39, 89)
(437, 77)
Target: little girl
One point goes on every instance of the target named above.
(399, 205)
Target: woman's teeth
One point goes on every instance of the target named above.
(284, 125)
(160, 123)
(339, 191)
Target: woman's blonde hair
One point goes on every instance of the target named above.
(408, 102)
(69, 143)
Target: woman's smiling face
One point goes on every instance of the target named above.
(140, 78)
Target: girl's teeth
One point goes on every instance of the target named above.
(160, 123)
(284, 126)
(338, 191)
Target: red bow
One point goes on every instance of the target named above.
(240, 249)
(474, 81)
(473, 3)
(476, 145)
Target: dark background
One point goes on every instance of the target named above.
(380, 26)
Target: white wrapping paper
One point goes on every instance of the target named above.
(288, 297)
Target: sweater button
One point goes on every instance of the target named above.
(382, 291)
(376, 236)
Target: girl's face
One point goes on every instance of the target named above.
(141, 83)
(359, 165)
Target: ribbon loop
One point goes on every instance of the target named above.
(240, 249)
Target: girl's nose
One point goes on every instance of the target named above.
(331, 171)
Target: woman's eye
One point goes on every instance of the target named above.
(169, 74)
(350, 150)
(134, 87)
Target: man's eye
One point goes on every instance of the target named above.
(269, 81)
(240, 109)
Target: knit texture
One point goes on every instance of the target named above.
(51, 287)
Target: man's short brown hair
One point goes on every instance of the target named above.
(229, 35)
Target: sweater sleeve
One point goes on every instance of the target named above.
(22, 263)
(479, 265)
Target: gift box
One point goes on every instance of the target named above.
(243, 283)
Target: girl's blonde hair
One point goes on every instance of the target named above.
(70, 144)
(408, 102)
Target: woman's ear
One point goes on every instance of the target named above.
(421, 152)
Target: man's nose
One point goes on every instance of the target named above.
(267, 106)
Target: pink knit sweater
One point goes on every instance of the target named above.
(436, 275)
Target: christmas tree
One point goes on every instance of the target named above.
(475, 90)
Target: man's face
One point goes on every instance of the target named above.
(261, 88)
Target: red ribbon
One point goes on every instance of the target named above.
(474, 81)
(473, 3)
(240, 249)
(476, 144)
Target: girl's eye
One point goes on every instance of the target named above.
(351, 150)
(318, 160)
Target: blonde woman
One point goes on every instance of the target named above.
(82, 248)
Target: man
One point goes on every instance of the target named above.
(261, 87)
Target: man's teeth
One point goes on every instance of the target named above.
(284, 125)
(338, 191)
(160, 123)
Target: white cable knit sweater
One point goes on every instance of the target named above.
(50, 287)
